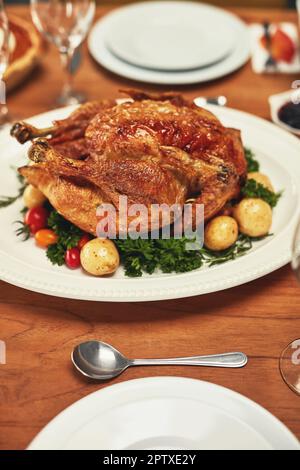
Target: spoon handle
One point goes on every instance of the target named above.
(233, 359)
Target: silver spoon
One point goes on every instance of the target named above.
(98, 360)
(203, 100)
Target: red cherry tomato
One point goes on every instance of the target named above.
(36, 218)
(45, 237)
(72, 258)
(83, 240)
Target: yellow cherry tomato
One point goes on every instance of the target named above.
(45, 237)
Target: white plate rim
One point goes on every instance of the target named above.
(239, 56)
(165, 287)
(114, 394)
(123, 13)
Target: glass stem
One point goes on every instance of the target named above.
(66, 57)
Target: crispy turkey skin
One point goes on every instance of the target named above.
(154, 149)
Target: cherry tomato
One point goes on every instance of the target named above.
(36, 218)
(45, 237)
(83, 240)
(72, 258)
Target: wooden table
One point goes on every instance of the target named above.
(259, 318)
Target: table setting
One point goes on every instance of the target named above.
(150, 214)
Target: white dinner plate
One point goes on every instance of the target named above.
(25, 265)
(170, 35)
(239, 55)
(165, 413)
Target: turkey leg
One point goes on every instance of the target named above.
(65, 129)
(24, 132)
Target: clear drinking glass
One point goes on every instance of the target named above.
(65, 23)
(290, 357)
(4, 56)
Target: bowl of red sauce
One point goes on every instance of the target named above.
(285, 110)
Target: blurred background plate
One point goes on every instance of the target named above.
(25, 47)
(238, 57)
(170, 35)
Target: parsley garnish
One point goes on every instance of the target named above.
(254, 189)
(240, 247)
(56, 254)
(68, 237)
(252, 163)
(140, 256)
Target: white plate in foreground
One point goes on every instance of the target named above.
(25, 265)
(165, 413)
(233, 61)
(170, 35)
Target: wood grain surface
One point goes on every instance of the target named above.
(259, 318)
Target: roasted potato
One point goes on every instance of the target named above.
(33, 197)
(220, 233)
(99, 257)
(254, 217)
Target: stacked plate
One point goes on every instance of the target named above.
(170, 42)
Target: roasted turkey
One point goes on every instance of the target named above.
(153, 149)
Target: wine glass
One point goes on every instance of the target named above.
(65, 23)
(4, 56)
(290, 357)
